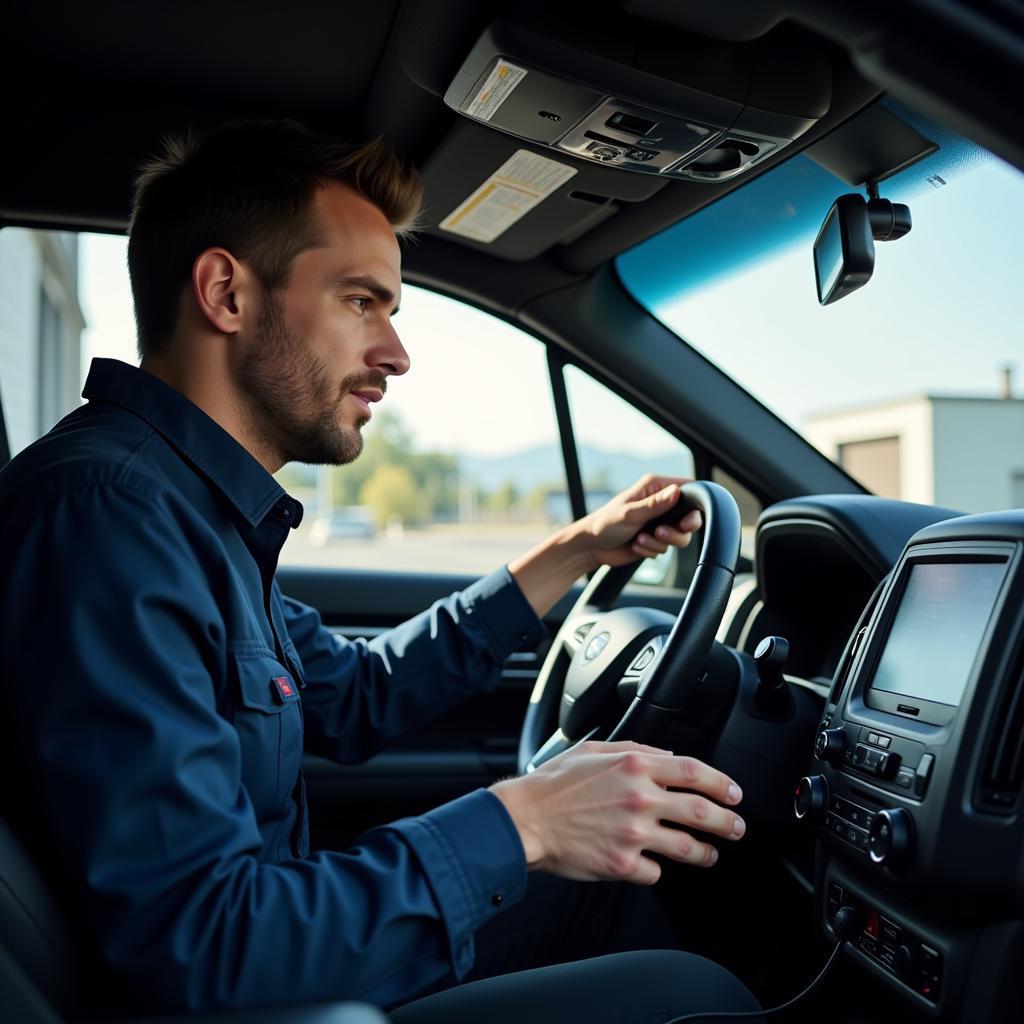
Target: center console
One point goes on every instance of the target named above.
(915, 789)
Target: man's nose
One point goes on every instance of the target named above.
(391, 355)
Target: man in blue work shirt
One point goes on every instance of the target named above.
(159, 687)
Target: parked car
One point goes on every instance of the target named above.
(350, 522)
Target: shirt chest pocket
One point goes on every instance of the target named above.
(268, 719)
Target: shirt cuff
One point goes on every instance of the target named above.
(471, 853)
(501, 608)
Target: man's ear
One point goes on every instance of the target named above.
(223, 290)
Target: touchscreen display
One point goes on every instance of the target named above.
(938, 627)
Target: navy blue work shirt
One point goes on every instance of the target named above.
(159, 691)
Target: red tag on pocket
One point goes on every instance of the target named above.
(283, 687)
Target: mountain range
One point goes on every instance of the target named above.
(543, 464)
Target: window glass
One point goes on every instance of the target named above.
(461, 468)
(749, 505)
(41, 321)
(616, 445)
(907, 383)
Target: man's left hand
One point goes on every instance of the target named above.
(614, 534)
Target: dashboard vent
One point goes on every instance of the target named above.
(1003, 773)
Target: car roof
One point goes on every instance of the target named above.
(92, 88)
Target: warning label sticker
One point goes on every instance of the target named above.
(504, 77)
(514, 189)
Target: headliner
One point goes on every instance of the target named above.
(96, 88)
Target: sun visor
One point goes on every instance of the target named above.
(693, 117)
(514, 199)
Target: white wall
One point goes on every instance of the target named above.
(909, 420)
(979, 449)
(31, 261)
(20, 269)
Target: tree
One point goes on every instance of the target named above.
(504, 501)
(391, 492)
(388, 442)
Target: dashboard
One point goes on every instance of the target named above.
(908, 625)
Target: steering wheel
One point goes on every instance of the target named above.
(601, 651)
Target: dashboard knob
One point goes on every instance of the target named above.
(903, 963)
(890, 838)
(829, 745)
(811, 797)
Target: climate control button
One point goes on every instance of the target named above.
(830, 744)
(811, 798)
(890, 838)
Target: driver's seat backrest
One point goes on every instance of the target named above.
(35, 939)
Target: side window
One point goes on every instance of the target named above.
(40, 330)
(461, 468)
(617, 444)
(750, 507)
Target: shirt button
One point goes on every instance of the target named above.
(523, 637)
(497, 899)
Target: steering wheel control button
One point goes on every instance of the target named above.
(642, 660)
(830, 746)
(810, 798)
(890, 838)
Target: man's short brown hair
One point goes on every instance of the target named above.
(247, 187)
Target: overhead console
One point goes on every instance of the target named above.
(916, 789)
(703, 114)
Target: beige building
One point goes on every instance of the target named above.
(964, 453)
(41, 323)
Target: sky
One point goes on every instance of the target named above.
(941, 313)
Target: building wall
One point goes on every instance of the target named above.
(910, 421)
(33, 263)
(979, 453)
(20, 268)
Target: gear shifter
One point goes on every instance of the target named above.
(772, 698)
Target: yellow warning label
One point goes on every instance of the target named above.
(515, 188)
(504, 77)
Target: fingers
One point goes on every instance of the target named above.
(651, 483)
(621, 746)
(696, 811)
(646, 872)
(667, 535)
(645, 545)
(681, 846)
(689, 773)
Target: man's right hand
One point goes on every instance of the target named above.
(592, 811)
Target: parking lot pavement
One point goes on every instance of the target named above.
(475, 549)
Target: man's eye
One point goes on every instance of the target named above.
(361, 301)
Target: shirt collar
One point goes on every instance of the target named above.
(200, 439)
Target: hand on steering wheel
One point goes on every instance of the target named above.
(598, 648)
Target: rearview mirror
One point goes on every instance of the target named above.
(844, 251)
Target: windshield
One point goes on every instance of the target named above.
(907, 382)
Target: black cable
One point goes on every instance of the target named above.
(754, 1014)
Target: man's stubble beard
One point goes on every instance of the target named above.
(293, 409)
